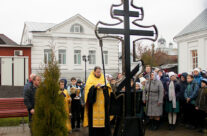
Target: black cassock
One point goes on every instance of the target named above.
(91, 100)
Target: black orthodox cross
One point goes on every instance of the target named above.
(126, 32)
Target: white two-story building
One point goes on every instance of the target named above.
(72, 39)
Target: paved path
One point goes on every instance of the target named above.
(14, 131)
(180, 131)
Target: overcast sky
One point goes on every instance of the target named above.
(170, 16)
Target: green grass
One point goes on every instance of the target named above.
(12, 121)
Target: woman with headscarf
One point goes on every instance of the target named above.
(153, 98)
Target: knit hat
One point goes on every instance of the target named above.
(79, 81)
(204, 80)
(171, 74)
(140, 85)
(142, 79)
(197, 69)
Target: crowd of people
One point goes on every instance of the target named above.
(164, 95)
(175, 96)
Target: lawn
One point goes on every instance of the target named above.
(12, 121)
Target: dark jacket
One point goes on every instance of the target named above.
(177, 90)
(29, 99)
(76, 100)
(183, 86)
(192, 91)
(201, 101)
(27, 86)
(164, 81)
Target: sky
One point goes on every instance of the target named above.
(170, 16)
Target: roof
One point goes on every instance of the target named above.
(41, 27)
(6, 40)
(15, 46)
(168, 66)
(198, 24)
(37, 26)
(71, 18)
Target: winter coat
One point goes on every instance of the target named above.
(183, 86)
(168, 104)
(27, 86)
(191, 91)
(153, 97)
(198, 79)
(29, 99)
(201, 101)
(164, 81)
(177, 90)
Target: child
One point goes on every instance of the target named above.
(197, 76)
(138, 86)
(75, 94)
(73, 84)
(67, 101)
(201, 105)
(172, 95)
(140, 106)
(190, 95)
(142, 81)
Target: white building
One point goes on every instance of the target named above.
(192, 44)
(169, 50)
(72, 39)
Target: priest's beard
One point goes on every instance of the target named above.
(97, 76)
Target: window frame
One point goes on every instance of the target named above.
(194, 58)
(47, 52)
(75, 27)
(106, 54)
(77, 56)
(90, 57)
(62, 57)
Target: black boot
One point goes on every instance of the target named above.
(173, 127)
(156, 125)
(170, 127)
(151, 124)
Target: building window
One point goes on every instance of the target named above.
(62, 56)
(47, 55)
(92, 57)
(76, 28)
(105, 57)
(194, 54)
(77, 56)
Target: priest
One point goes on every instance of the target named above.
(96, 115)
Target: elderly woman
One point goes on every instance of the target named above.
(153, 98)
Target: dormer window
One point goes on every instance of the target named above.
(76, 28)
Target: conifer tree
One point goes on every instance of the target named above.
(50, 115)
